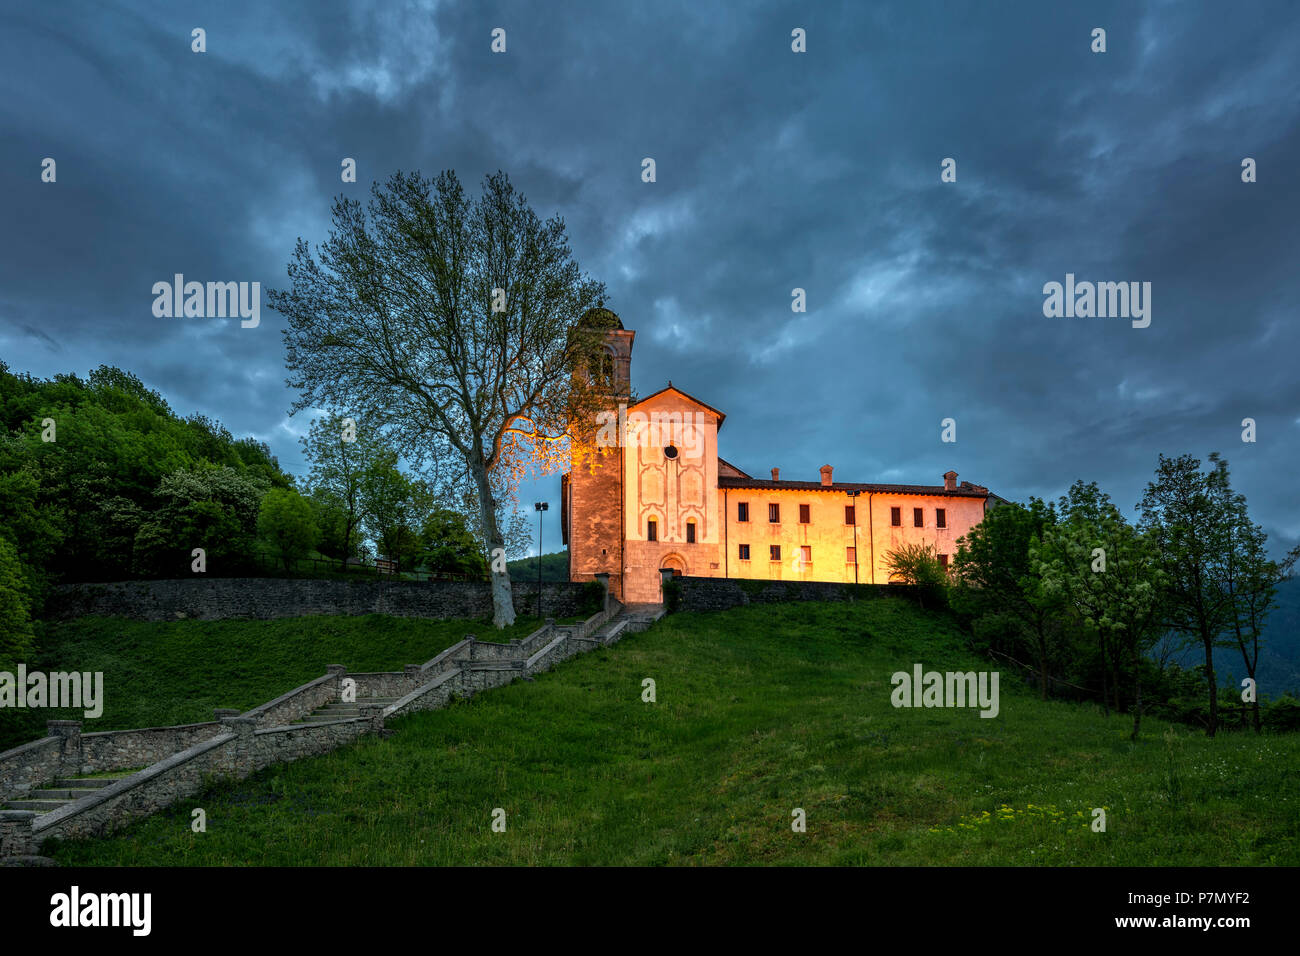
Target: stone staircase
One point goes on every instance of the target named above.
(338, 710)
(84, 806)
(63, 791)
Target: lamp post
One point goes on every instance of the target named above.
(539, 507)
(853, 496)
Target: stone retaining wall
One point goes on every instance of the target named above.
(300, 701)
(122, 749)
(30, 766)
(721, 594)
(212, 599)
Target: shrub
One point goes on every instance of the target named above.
(591, 599)
(1282, 715)
(672, 596)
(918, 565)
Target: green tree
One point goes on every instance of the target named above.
(337, 540)
(454, 326)
(341, 451)
(1250, 576)
(998, 587)
(392, 506)
(215, 509)
(16, 634)
(447, 546)
(285, 520)
(1108, 574)
(1192, 528)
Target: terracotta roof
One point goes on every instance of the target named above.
(965, 490)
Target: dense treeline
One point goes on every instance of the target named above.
(1093, 606)
(100, 480)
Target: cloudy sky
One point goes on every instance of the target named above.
(776, 170)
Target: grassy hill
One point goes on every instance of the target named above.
(176, 673)
(760, 711)
(555, 567)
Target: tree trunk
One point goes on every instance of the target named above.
(1250, 672)
(1114, 673)
(503, 604)
(1105, 705)
(347, 542)
(1214, 688)
(1137, 692)
(1042, 669)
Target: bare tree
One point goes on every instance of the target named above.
(453, 325)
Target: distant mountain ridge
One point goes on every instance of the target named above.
(1279, 654)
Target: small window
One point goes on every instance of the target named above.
(918, 517)
(896, 517)
(774, 513)
(742, 510)
(850, 514)
(941, 517)
(805, 554)
(744, 552)
(850, 555)
(774, 552)
(670, 452)
(943, 561)
(805, 514)
(690, 532)
(652, 530)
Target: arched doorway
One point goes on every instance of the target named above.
(674, 563)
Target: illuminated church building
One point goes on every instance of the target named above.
(659, 497)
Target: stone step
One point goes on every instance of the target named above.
(40, 806)
(338, 709)
(87, 783)
(63, 793)
(321, 717)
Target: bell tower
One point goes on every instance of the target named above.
(592, 494)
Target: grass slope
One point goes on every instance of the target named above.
(760, 710)
(177, 672)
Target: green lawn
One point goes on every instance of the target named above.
(178, 672)
(760, 710)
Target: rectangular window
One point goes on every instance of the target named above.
(774, 552)
(774, 513)
(744, 552)
(896, 517)
(805, 514)
(652, 530)
(943, 561)
(941, 517)
(742, 510)
(805, 554)
(918, 517)
(850, 514)
(851, 555)
(690, 532)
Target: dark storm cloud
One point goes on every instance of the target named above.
(775, 171)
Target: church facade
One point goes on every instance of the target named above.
(654, 494)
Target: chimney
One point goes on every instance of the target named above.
(826, 476)
(950, 481)
(776, 474)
